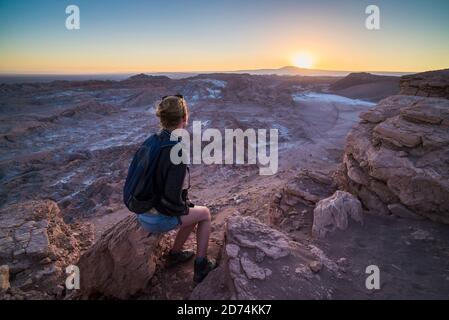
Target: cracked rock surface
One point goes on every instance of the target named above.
(395, 159)
(260, 262)
(36, 245)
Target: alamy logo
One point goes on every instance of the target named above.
(372, 22)
(372, 282)
(255, 152)
(72, 22)
(72, 282)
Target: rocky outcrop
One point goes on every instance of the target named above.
(427, 84)
(259, 262)
(396, 158)
(121, 263)
(335, 212)
(300, 194)
(36, 246)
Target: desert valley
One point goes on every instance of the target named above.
(363, 179)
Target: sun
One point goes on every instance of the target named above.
(303, 60)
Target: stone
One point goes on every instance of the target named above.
(121, 263)
(4, 278)
(334, 213)
(232, 250)
(301, 270)
(276, 276)
(315, 266)
(252, 270)
(272, 243)
(39, 243)
(324, 259)
(343, 262)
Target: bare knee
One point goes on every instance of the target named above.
(206, 214)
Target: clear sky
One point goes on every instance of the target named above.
(211, 35)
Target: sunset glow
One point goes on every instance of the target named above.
(154, 36)
(303, 60)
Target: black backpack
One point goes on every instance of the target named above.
(138, 193)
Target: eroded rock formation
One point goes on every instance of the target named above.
(427, 84)
(36, 246)
(396, 158)
(259, 262)
(299, 196)
(121, 263)
(335, 212)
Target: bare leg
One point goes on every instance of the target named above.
(199, 216)
(182, 236)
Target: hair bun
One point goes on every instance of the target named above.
(171, 111)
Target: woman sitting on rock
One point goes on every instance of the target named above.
(173, 210)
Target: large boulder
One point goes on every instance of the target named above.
(335, 212)
(259, 262)
(396, 158)
(36, 246)
(121, 263)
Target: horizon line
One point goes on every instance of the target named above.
(200, 72)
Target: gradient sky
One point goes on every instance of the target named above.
(205, 35)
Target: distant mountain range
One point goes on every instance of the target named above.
(294, 71)
(284, 71)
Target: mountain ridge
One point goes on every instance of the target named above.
(286, 70)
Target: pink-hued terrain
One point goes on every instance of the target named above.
(363, 180)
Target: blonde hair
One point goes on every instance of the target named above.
(171, 111)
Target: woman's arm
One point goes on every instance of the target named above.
(171, 198)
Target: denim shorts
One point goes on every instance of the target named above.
(156, 222)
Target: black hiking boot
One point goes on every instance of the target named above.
(175, 258)
(201, 268)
